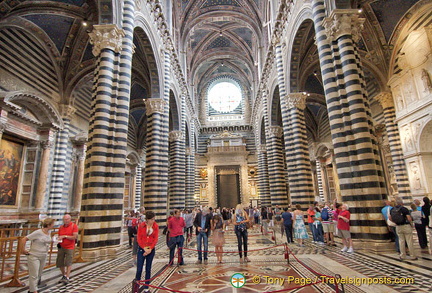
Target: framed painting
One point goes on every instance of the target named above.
(10, 166)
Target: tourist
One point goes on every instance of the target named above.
(400, 215)
(318, 226)
(68, 233)
(288, 225)
(176, 224)
(300, 232)
(218, 238)
(310, 220)
(240, 218)
(148, 235)
(202, 225)
(264, 220)
(328, 225)
(385, 211)
(426, 209)
(36, 256)
(344, 229)
(189, 218)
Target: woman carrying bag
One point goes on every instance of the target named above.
(36, 256)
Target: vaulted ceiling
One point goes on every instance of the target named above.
(220, 38)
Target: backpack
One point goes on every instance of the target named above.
(325, 214)
(397, 216)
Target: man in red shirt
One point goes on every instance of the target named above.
(176, 225)
(68, 233)
(344, 229)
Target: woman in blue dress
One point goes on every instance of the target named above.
(300, 232)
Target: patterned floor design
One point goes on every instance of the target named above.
(88, 277)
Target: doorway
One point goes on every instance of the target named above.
(228, 187)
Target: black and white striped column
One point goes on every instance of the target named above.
(176, 171)
(138, 190)
(156, 171)
(102, 201)
(319, 180)
(277, 178)
(297, 151)
(263, 176)
(190, 178)
(57, 201)
(355, 147)
(399, 166)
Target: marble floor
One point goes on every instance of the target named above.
(268, 271)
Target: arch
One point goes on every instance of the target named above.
(174, 113)
(42, 108)
(148, 42)
(425, 137)
(133, 158)
(275, 114)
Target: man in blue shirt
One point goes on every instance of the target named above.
(287, 221)
(392, 229)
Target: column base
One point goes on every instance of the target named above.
(101, 253)
(374, 246)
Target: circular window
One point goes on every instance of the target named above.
(224, 97)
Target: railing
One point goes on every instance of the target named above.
(226, 149)
(13, 267)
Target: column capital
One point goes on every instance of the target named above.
(46, 144)
(106, 36)
(156, 105)
(296, 100)
(385, 99)
(189, 151)
(262, 148)
(67, 111)
(176, 135)
(344, 22)
(276, 131)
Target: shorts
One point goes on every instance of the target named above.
(345, 234)
(328, 227)
(64, 257)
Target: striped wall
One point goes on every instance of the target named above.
(138, 185)
(356, 153)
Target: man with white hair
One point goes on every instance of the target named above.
(68, 233)
(202, 225)
(344, 229)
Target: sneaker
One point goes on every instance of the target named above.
(62, 279)
(344, 249)
(199, 262)
(246, 259)
(414, 258)
(350, 250)
(66, 281)
(241, 260)
(206, 261)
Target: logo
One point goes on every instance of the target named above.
(238, 280)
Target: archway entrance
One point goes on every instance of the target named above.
(228, 186)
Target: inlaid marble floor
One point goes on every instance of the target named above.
(268, 271)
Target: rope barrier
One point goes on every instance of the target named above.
(243, 251)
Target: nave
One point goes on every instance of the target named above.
(116, 275)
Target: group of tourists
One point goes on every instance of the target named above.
(401, 221)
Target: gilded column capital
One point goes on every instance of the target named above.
(344, 22)
(275, 131)
(106, 36)
(385, 99)
(176, 135)
(296, 100)
(156, 105)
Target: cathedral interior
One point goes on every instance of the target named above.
(112, 106)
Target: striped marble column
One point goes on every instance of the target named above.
(319, 179)
(355, 147)
(102, 200)
(399, 166)
(176, 171)
(138, 189)
(297, 151)
(263, 176)
(190, 178)
(57, 202)
(156, 171)
(277, 178)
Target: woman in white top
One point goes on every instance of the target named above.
(36, 256)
